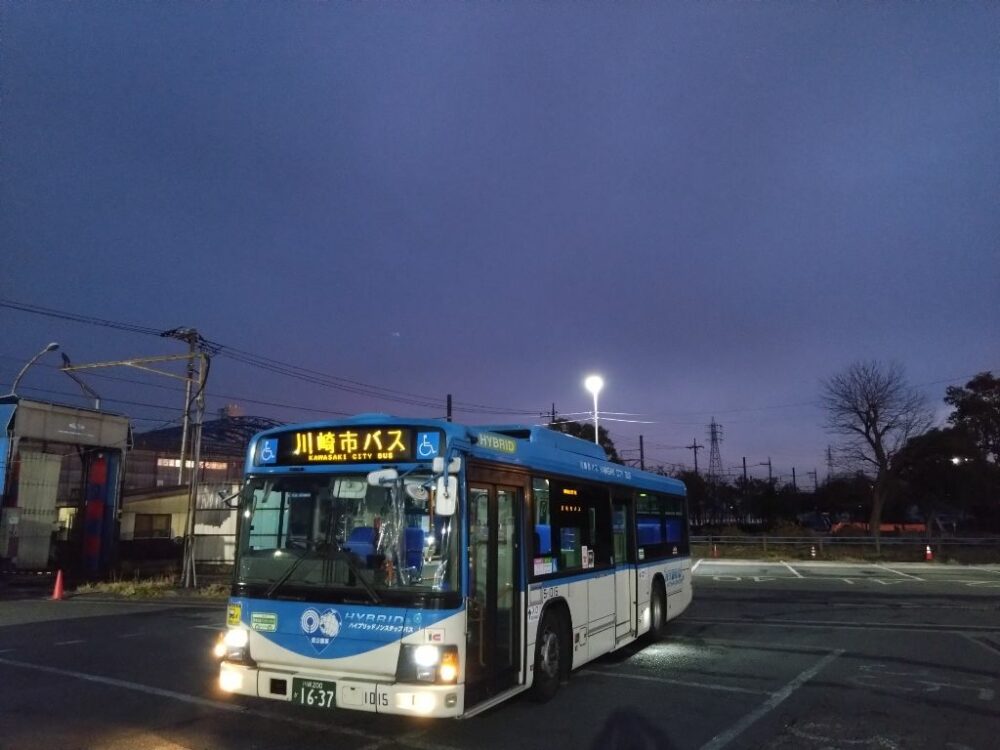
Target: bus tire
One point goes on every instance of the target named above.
(657, 612)
(550, 655)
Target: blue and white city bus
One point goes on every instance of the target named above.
(416, 566)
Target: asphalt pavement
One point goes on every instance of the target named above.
(775, 656)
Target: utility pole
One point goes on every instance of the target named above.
(143, 363)
(745, 480)
(795, 487)
(768, 465)
(189, 578)
(695, 447)
(191, 336)
(449, 407)
(552, 419)
(829, 463)
(815, 480)
(642, 455)
(86, 388)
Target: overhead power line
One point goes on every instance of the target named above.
(283, 368)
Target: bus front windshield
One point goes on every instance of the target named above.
(336, 533)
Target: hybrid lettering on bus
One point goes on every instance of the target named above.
(423, 567)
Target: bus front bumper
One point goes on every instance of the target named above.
(351, 693)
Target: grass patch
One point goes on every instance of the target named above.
(214, 591)
(151, 588)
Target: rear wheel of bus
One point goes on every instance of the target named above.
(550, 656)
(658, 611)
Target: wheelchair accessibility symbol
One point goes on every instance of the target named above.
(268, 452)
(428, 444)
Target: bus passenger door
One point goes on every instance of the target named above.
(625, 570)
(492, 639)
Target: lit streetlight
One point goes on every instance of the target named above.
(594, 384)
(13, 386)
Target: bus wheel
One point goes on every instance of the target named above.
(658, 612)
(549, 652)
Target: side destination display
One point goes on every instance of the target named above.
(349, 445)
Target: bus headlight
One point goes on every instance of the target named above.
(426, 656)
(426, 663)
(233, 646)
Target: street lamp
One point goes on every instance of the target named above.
(13, 386)
(594, 384)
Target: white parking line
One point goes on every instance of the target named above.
(898, 572)
(685, 683)
(831, 625)
(696, 565)
(995, 650)
(326, 728)
(721, 740)
(67, 643)
(149, 690)
(792, 569)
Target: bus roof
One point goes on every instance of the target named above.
(528, 446)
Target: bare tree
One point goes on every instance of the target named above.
(876, 411)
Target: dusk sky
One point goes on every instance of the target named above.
(715, 205)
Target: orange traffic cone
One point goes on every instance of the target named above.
(812, 551)
(928, 553)
(715, 550)
(57, 590)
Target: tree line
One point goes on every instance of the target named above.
(893, 464)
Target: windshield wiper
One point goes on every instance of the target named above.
(353, 566)
(337, 552)
(284, 577)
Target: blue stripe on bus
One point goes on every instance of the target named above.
(333, 631)
(651, 563)
(571, 579)
(556, 581)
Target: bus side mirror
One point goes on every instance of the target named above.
(446, 496)
(382, 477)
(454, 466)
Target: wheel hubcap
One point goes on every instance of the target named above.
(550, 653)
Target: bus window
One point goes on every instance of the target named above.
(661, 526)
(572, 526)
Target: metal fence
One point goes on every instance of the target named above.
(902, 548)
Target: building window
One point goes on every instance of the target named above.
(175, 463)
(151, 526)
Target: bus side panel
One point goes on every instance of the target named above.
(679, 587)
(645, 587)
(601, 614)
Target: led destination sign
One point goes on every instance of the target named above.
(348, 445)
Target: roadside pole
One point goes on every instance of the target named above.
(189, 576)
